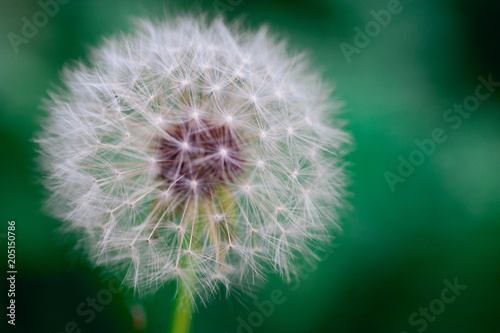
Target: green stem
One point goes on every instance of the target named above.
(181, 321)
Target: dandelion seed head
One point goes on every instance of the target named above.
(195, 158)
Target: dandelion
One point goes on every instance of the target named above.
(195, 152)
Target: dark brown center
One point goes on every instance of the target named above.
(197, 155)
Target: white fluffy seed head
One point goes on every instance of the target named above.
(195, 152)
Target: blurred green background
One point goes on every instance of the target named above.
(398, 247)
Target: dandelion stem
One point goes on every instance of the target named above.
(181, 320)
